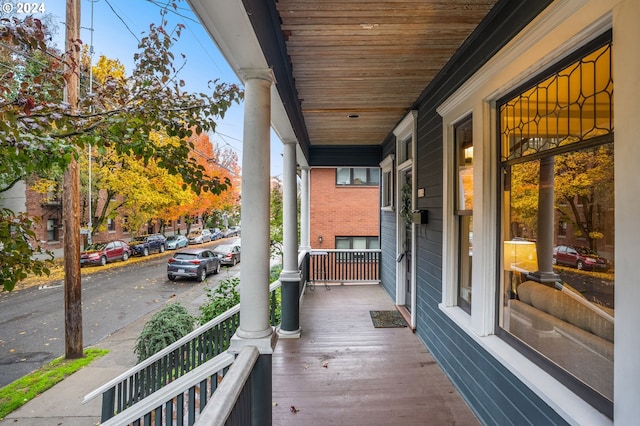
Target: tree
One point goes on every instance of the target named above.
(215, 163)
(583, 186)
(276, 222)
(39, 131)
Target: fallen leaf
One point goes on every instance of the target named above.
(294, 410)
(325, 364)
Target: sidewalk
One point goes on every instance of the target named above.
(62, 404)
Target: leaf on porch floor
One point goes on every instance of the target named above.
(293, 409)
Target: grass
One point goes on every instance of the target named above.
(18, 393)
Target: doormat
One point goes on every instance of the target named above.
(387, 319)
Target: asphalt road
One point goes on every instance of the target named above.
(32, 319)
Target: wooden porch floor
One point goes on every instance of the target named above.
(343, 371)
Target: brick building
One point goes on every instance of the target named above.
(343, 213)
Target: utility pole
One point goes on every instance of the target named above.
(71, 199)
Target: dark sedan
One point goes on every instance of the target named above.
(229, 254)
(193, 263)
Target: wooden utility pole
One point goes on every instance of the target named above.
(71, 199)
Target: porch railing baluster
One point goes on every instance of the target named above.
(343, 266)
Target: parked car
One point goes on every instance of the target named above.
(232, 231)
(216, 234)
(229, 254)
(101, 253)
(174, 242)
(200, 236)
(579, 257)
(145, 244)
(193, 263)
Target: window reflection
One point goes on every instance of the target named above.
(558, 220)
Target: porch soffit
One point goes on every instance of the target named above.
(336, 58)
(368, 58)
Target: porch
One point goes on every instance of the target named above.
(343, 371)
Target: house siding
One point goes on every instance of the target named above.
(495, 394)
(388, 260)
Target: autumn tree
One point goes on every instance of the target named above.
(216, 163)
(583, 187)
(39, 131)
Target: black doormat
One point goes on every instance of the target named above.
(387, 319)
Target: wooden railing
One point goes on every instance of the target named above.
(362, 266)
(173, 362)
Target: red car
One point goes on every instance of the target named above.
(101, 253)
(579, 257)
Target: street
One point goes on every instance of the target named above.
(32, 319)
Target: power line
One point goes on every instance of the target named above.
(122, 20)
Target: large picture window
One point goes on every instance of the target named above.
(557, 173)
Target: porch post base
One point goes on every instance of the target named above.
(290, 324)
(265, 345)
(287, 334)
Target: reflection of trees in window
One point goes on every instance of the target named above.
(585, 179)
(583, 195)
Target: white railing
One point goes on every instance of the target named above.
(224, 405)
(171, 404)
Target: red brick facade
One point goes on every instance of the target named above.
(341, 210)
(47, 210)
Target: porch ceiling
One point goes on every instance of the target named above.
(369, 59)
(335, 58)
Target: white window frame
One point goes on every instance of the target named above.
(386, 186)
(556, 32)
(405, 130)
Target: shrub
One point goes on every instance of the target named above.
(165, 327)
(224, 297)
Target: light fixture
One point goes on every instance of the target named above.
(520, 256)
(320, 239)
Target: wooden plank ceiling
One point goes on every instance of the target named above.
(369, 59)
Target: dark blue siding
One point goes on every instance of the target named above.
(388, 244)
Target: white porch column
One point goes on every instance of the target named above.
(290, 209)
(305, 243)
(290, 276)
(254, 274)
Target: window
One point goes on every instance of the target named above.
(111, 225)
(386, 198)
(52, 229)
(357, 243)
(358, 176)
(463, 136)
(557, 292)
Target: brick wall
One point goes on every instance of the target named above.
(338, 210)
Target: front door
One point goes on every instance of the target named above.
(408, 272)
(405, 276)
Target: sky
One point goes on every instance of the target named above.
(118, 25)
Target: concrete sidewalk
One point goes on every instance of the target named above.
(62, 404)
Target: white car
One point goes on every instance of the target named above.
(199, 236)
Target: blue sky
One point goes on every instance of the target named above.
(119, 24)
